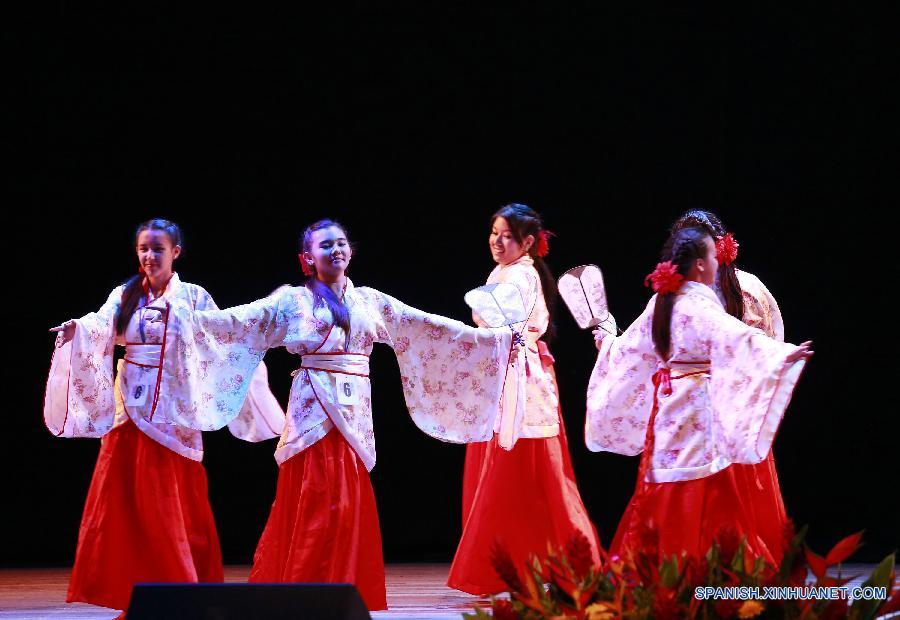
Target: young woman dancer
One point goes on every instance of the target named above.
(324, 524)
(528, 453)
(147, 515)
(745, 297)
(695, 390)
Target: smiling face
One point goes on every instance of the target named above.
(156, 253)
(328, 253)
(505, 249)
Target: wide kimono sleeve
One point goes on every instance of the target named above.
(777, 322)
(760, 308)
(452, 373)
(79, 398)
(750, 387)
(620, 390)
(261, 417)
(210, 358)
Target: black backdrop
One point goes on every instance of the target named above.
(412, 125)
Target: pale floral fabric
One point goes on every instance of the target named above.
(83, 399)
(760, 308)
(530, 380)
(727, 413)
(452, 374)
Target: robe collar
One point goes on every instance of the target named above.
(525, 259)
(691, 287)
(171, 290)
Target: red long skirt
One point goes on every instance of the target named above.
(521, 498)
(323, 526)
(688, 515)
(147, 519)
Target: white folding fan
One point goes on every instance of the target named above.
(498, 304)
(583, 291)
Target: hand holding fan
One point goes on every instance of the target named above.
(583, 291)
(498, 305)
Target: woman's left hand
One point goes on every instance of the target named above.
(65, 332)
(804, 351)
(599, 335)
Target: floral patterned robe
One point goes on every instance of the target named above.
(530, 405)
(760, 308)
(730, 385)
(82, 398)
(452, 374)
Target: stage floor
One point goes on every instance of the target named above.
(413, 591)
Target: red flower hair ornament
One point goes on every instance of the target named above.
(665, 278)
(306, 268)
(543, 244)
(726, 249)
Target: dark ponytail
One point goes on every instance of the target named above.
(682, 248)
(524, 221)
(727, 275)
(322, 293)
(662, 324)
(134, 286)
(732, 291)
(548, 286)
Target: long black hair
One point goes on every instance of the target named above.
(523, 221)
(134, 286)
(322, 293)
(727, 275)
(682, 248)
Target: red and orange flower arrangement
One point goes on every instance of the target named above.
(566, 585)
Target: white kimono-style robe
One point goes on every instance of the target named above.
(452, 374)
(530, 404)
(720, 397)
(83, 399)
(760, 308)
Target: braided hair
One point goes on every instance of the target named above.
(682, 248)
(322, 294)
(727, 275)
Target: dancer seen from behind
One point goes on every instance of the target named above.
(745, 297)
(694, 391)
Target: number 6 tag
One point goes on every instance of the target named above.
(137, 395)
(347, 390)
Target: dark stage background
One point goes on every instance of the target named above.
(412, 125)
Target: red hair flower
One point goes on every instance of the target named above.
(664, 279)
(726, 249)
(306, 268)
(543, 245)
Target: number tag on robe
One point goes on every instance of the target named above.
(137, 395)
(347, 389)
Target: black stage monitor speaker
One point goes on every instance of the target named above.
(246, 601)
